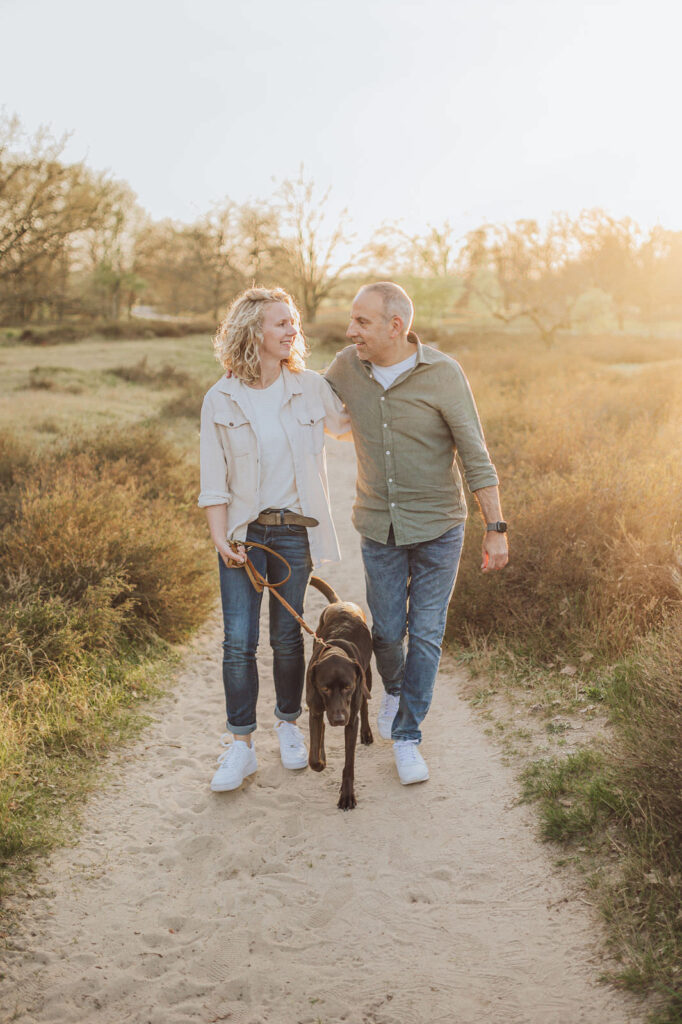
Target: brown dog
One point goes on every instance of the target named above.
(339, 682)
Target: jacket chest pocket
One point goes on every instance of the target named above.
(236, 433)
(310, 417)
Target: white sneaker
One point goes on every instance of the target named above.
(410, 764)
(387, 712)
(291, 746)
(237, 762)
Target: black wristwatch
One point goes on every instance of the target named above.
(500, 527)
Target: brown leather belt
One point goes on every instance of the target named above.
(284, 517)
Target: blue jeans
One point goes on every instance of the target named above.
(408, 591)
(241, 612)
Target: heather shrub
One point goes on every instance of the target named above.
(330, 333)
(102, 557)
(143, 453)
(592, 487)
(78, 526)
(142, 373)
(114, 330)
(589, 461)
(186, 402)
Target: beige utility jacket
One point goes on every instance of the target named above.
(230, 456)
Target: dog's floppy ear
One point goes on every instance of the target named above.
(363, 682)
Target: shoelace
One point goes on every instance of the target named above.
(231, 751)
(291, 736)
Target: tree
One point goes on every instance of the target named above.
(43, 204)
(106, 253)
(609, 256)
(215, 256)
(259, 243)
(657, 284)
(309, 251)
(432, 279)
(534, 273)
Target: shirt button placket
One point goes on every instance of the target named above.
(388, 464)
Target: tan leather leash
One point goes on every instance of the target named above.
(260, 583)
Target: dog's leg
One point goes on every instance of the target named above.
(347, 799)
(316, 758)
(365, 729)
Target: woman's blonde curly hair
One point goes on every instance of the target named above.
(240, 333)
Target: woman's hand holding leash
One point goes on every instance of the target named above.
(233, 555)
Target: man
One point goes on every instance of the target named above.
(411, 411)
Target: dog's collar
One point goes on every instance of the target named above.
(354, 652)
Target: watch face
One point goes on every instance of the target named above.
(500, 527)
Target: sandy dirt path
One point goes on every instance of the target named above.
(431, 903)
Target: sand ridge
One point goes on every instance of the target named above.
(270, 906)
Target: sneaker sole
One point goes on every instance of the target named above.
(411, 782)
(297, 766)
(229, 789)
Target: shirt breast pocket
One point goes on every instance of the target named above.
(311, 426)
(236, 432)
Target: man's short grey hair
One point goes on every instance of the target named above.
(396, 301)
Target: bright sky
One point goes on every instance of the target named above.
(467, 110)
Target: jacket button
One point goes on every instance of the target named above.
(230, 424)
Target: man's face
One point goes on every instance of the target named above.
(372, 334)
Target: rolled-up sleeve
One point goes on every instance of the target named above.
(460, 413)
(213, 465)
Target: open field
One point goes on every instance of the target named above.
(582, 628)
(51, 392)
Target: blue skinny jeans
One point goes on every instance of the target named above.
(241, 613)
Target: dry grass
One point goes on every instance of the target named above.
(586, 439)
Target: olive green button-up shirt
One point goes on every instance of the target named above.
(406, 439)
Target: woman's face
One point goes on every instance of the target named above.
(279, 332)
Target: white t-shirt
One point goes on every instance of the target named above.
(277, 474)
(387, 374)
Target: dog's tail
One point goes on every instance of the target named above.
(325, 589)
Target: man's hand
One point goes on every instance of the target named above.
(495, 551)
(495, 548)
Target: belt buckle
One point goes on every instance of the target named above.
(280, 512)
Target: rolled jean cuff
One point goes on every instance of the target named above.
(284, 717)
(241, 730)
(407, 739)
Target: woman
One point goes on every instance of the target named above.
(264, 479)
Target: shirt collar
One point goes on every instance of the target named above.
(293, 384)
(423, 354)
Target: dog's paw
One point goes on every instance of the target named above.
(366, 736)
(347, 801)
(317, 766)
